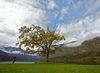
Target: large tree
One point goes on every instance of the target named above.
(42, 39)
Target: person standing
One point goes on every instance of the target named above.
(14, 59)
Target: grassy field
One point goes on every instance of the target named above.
(48, 68)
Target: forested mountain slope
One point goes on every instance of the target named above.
(88, 51)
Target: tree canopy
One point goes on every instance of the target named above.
(42, 39)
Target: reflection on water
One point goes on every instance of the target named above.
(4, 62)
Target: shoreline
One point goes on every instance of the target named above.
(6, 62)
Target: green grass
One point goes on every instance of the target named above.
(48, 68)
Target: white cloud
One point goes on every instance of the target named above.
(92, 6)
(84, 29)
(70, 28)
(15, 52)
(17, 13)
(63, 12)
(55, 14)
(79, 41)
(68, 1)
(78, 5)
(51, 4)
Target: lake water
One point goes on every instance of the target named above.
(5, 62)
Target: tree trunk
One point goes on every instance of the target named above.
(47, 57)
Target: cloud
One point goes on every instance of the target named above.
(81, 40)
(75, 19)
(84, 29)
(92, 6)
(55, 14)
(63, 12)
(51, 4)
(70, 28)
(9, 32)
(78, 5)
(16, 52)
(17, 13)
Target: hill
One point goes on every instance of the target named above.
(88, 52)
(5, 57)
(7, 53)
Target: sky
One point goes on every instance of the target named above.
(77, 20)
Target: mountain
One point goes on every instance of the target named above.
(4, 57)
(9, 48)
(87, 52)
(10, 52)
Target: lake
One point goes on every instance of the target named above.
(4, 62)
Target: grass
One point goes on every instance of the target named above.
(48, 68)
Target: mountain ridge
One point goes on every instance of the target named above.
(89, 50)
(11, 52)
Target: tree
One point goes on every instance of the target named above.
(41, 38)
